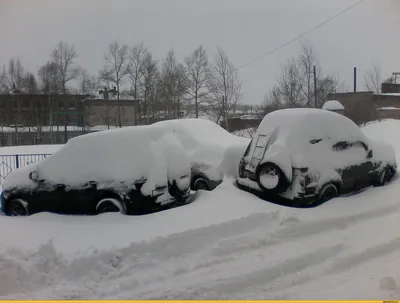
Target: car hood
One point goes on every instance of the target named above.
(19, 178)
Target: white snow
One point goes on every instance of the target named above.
(206, 143)
(227, 244)
(333, 105)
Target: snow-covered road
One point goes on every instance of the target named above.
(227, 244)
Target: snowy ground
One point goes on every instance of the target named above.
(227, 244)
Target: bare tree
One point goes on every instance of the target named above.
(49, 83)
(291, 85)
(116, 69)
(63, 57)
(88, 85)
(31, 83)
(306, 61)
(196, 75)
(172, 85)
(14, 77)
(373, 79)
(295, 84)
(138, 55)
(224, 85)
(148, 85)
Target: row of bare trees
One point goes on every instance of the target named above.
(295, 85)
(164, 87)
(167, 87)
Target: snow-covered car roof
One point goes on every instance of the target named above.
(301, 125)
(193, 132)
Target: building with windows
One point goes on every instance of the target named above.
(27, 119)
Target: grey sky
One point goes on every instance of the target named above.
(245, 29)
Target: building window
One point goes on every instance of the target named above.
(71, 104)
(2, 141)
(15, 105)
(1, 105)
(60, 104)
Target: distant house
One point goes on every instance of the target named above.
(334, 106)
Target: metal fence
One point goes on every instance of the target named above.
(8, 163)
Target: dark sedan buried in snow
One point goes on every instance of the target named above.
(309, 156)
(132, 170)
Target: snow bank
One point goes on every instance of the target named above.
(228, 244)
(333, 105)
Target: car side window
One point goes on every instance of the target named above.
(342, 145)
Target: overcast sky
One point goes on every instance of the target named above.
(245, 29)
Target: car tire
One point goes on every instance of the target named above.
(385, 176)
(327, 192)
(17, 207)
(201, 184)
(277, 186)
(108, 205)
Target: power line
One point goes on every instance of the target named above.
(301, 35)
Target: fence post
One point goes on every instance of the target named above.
(17, 161)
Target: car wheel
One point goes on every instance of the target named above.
(17, 207)
(270, 178)
(385, 176)
(200, 184)
(327, 192)
(109, 205)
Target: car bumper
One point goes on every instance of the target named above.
(251, 186)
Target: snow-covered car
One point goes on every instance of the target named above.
(205, 143)
(310, 156)
(130, 170)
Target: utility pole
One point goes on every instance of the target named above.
(355, 79)
(315, 86)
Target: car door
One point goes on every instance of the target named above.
(356, 165)
(50, 197)
(362, 171)
(81, 199)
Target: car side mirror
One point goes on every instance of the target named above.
(370, 154)
(33, 176)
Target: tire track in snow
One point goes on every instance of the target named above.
(346, 263)
(296, 230)
(226, 287)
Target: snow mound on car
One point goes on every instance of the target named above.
(206, 142)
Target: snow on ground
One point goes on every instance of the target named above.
(226, 244)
